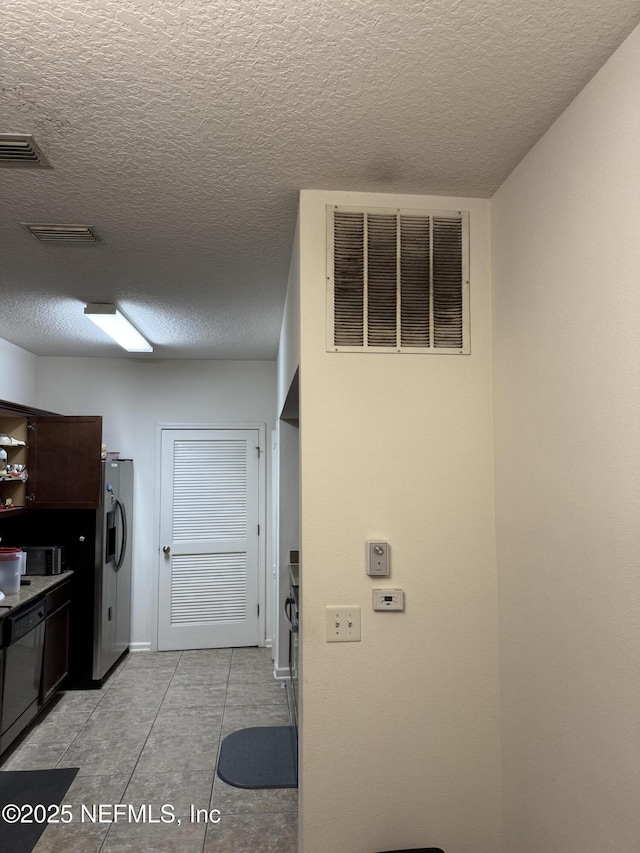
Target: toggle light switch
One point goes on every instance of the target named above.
(343, 624)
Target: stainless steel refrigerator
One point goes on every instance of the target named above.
(98, 549)
(112, 579)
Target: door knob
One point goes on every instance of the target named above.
(166, 549)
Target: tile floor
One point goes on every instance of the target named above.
(151, 737)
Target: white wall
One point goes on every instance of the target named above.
(400, 732)
(19, 375)
(289, 346)
(288, 449)
(133, 397)
(288, 527)
(566, 271)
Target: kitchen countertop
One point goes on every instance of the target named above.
(39, 585)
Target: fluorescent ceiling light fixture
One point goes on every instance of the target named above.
(116, 325)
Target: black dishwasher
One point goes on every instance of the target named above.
(24, 641)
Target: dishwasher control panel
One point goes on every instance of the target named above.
(20, 624)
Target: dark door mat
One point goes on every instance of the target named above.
(24, 788)
(260, 757)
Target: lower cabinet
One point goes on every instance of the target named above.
(34, 661)
(55, 659)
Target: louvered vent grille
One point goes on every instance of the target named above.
(49, 233)
(447, 279)
(415, 266)
(398, 280)
(210, 490)
(20, 151)
(208, 588)
(349, 275)
(381, 278)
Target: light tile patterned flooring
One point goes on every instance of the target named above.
(151, 737)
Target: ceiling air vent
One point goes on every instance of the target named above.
(78, 234)
(398, 281)
(19, 151)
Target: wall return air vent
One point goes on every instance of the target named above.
(398, 281)
(19, 151)
(45, 232)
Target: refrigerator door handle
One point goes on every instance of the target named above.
(123, 547)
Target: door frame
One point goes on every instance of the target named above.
(262, 516)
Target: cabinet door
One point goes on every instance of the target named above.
(55, 661)
(64, 462)
(14, 427)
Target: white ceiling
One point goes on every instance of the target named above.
(183, 129)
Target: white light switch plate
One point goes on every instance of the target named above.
(343, 623)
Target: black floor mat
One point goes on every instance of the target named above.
(261, 757)
(24, 788)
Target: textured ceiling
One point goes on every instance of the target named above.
(183, 129)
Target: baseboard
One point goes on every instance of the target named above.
(281, 673)
(139, 647)
(146, 647)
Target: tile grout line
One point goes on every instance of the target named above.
(82, 728)
(253, 669)
(104, 691)
(213, 781)
(104, 840)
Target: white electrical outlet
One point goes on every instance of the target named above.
(343, 624)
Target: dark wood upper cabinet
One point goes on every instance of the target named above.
(64, 462)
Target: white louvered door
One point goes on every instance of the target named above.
(209, 558)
